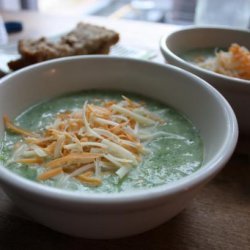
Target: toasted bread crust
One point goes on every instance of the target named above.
(83, 40)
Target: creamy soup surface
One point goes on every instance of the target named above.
(233, 61)
(160, 144)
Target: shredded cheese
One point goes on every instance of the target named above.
(235, 62)
(87, 143)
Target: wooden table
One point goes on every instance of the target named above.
(218, 218)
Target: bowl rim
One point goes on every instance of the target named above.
(165, 50)
(202, 175)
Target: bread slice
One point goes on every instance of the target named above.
(85, 39)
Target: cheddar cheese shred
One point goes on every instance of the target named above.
(87, 143)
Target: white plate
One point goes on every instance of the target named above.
(9, 52)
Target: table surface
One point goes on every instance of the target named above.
(219, 216)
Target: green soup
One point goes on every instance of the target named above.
(175, 152)
(198, 55)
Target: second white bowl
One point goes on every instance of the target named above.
(236, 91)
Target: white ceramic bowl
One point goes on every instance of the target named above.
(236, 91)
(123, 214)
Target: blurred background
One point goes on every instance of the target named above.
(164, 11)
